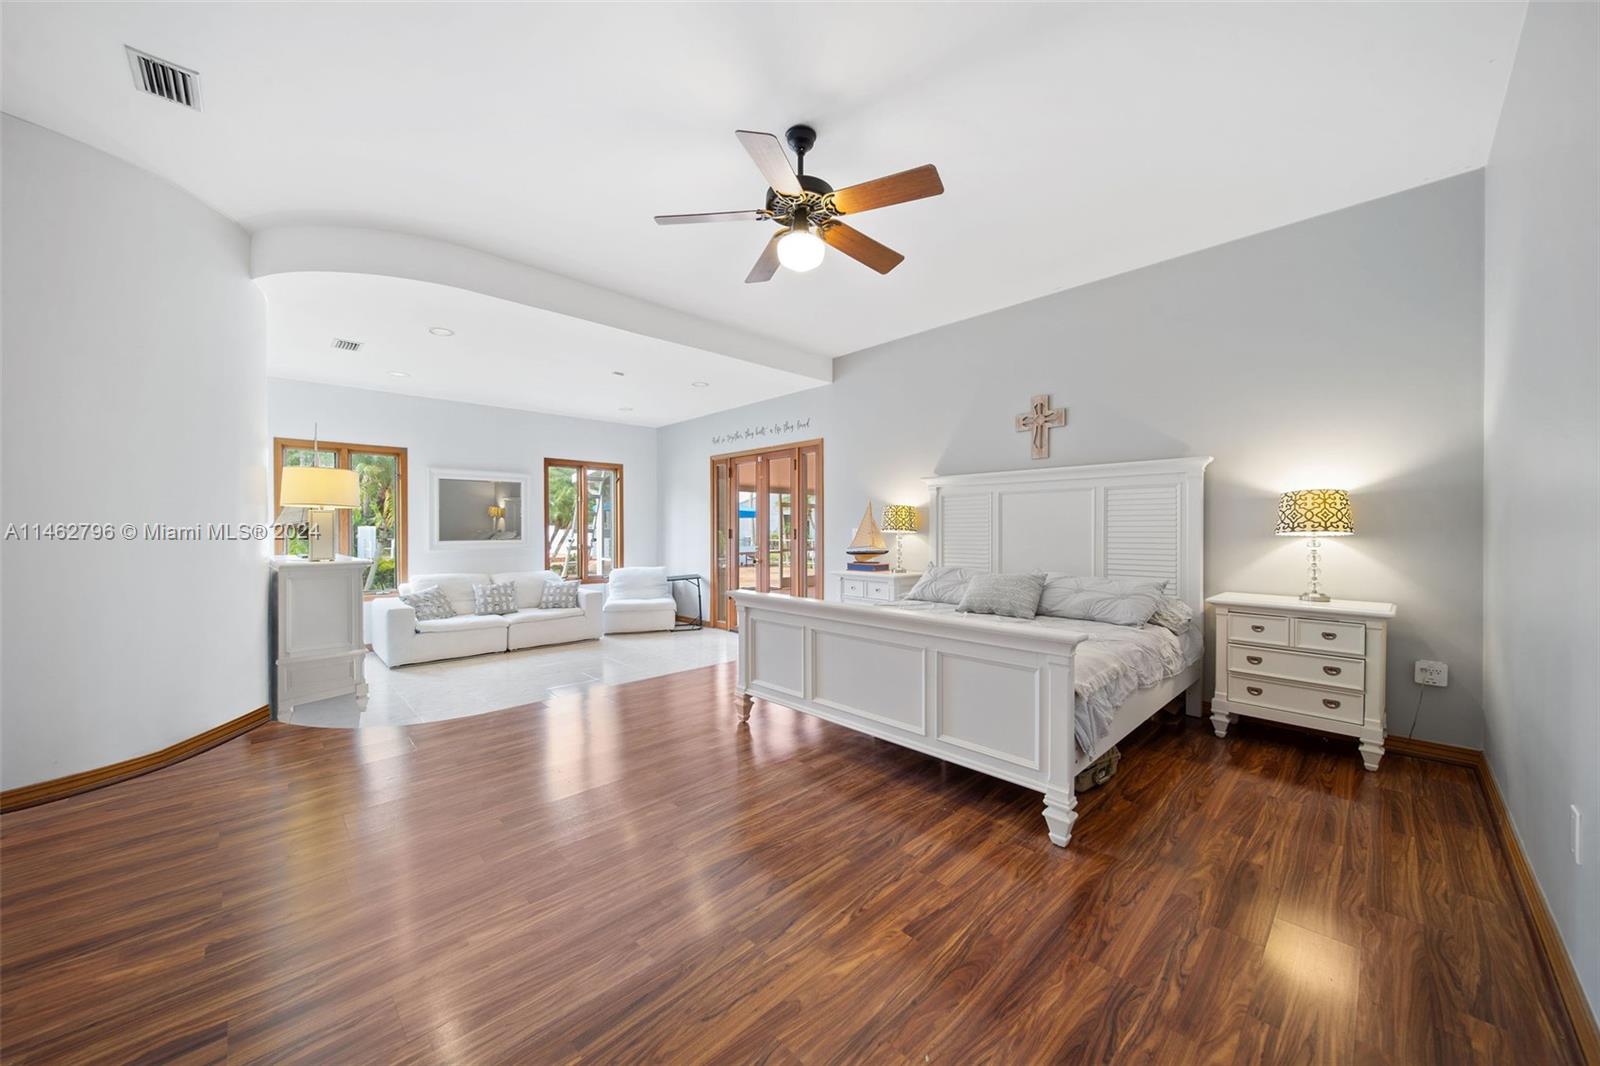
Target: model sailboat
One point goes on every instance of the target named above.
(867, 548)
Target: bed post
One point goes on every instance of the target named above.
(1060, 795)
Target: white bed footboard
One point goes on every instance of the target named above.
(992, 697)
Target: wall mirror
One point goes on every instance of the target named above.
(477, 507)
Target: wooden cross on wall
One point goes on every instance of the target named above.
(1040, 419)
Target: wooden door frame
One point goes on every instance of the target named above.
(583, 541)
(797, 449)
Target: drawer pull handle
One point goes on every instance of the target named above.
(1332, 671)
(1258, 629)
(1330, 636)
(1253, 690)
(1332, 705)
(1253, 660)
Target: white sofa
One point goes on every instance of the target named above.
(398, 638)
(639, 600)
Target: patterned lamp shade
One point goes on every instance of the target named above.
(899, 518)
(1315, 513)
(497, 512)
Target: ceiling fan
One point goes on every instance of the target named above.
(809, 209)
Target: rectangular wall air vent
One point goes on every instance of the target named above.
(346, 346)
(166, 80)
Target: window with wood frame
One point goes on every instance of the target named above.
(582, 518)
(376, 529)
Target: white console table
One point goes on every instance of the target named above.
(315, 624)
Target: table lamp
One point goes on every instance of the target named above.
(899, 519)
(321, 490)
(1315, 513)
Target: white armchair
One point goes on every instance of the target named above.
(639, 600)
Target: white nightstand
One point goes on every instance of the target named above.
(1319, 665)
(867, 586)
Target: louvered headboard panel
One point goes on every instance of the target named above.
(1143, 520)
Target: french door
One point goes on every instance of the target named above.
(766, 525)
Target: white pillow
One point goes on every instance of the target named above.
(639, 583)
(457, 588)
(530, 585)
(941, 584)
(1101, 599)
(1009, 595)
(1173, 614)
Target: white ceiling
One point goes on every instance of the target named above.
(502, 353)
(1075, 141)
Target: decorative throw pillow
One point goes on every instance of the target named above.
(1010, 595)
(941, 584)
(1101, 599)
(1173, 614)
(498, 598)
(559, 594)
(429, 603)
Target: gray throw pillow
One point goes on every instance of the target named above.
(559, 594)
(1173, 614)
(940, 584)
(1009, 595)
(429, 603)
(498, 598)
(1101, 599)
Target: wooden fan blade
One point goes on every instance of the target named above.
(767, 265)
(770, 160)
(861, 248)
(711, 216)
(895, 189)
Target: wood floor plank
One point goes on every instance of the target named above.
(627, 873)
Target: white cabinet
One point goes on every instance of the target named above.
(874, 586)
(317, 645)
(1319, 665)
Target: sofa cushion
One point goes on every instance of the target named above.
(544, 614)
(429, 603)
(559, 594)
(530, 584)
(457, 588)
(461, 623)
(638, 583)
(654, 603)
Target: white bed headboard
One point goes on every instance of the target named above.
(1130, 520)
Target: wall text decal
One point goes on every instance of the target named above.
(775, 429)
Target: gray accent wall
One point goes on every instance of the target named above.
(1343, 351)
(1542, 463)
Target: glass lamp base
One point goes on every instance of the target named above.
(1315, 597)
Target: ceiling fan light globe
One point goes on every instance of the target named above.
(800, 250)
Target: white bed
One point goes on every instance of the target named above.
(1027, 702)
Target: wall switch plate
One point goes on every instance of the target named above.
(1432, 673)
(1577, 835)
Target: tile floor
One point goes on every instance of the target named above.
(456, 688)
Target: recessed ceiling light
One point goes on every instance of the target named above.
(618, 373)
(699, 384)
(440, 331)
(624, 408)
(398, 374)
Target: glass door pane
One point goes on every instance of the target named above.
(779, 528)
(748, 553)
(721, 544)
(561, 520)
(601, 517)
(374, 521)
(810, 531)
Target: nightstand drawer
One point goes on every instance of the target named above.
(1318, 703)
(1294, 666)
(1347, 638)
(880, 590)
(1258, 628)
(852, 586)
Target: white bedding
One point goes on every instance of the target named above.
(1111, 664)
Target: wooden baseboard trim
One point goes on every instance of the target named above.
(1545, 932)
(15, 799)
(1428, 749)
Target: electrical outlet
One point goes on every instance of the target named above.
(1432, 673)
(1577, 835)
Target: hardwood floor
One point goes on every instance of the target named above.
(629, 875)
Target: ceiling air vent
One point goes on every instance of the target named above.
(166, 80)
(346, 346)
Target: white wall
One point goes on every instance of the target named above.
(462, 436)
(134, 391)
(1344, 351)
(1542, 462)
